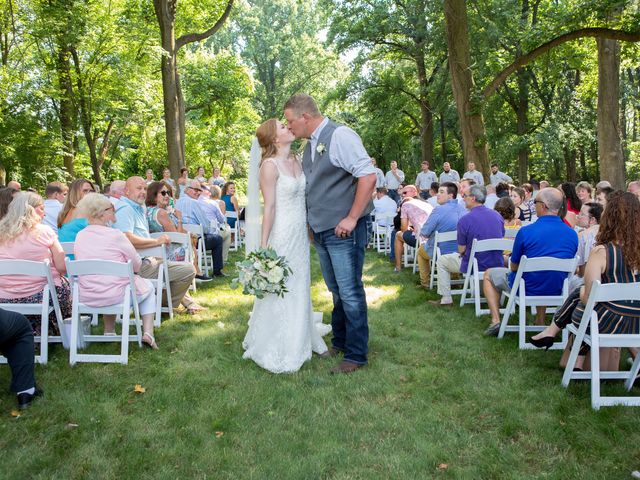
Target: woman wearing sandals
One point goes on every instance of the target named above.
(99, 241)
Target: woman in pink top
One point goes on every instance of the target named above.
(24, 237)
(99, 241)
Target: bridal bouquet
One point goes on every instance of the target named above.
(262, 272)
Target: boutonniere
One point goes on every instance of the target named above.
(321, 148)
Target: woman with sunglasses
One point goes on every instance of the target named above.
(162, 217)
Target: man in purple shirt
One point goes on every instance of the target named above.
(481, 223)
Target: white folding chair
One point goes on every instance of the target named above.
(161, 282)
(609, 292)
(440, 237)
(382, 228)
(408, 256)
(474, 275)
(511, 232)
(49, 302)
(79, 268)
(235, 231)
(67, 247)
(184, 240)
(203, 258)
(518, 296)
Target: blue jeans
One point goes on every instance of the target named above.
(341, 260)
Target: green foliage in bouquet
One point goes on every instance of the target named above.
(263, 272)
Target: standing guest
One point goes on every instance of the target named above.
(633, 187)
(424, 180)
(584, 191)
(218, 222)
(216, 179)
(481, 223)
(7, 195)
(101, 242)
(383, 206)
(379, 174)
(497, 176)
(393, 180)
(16, 344)
(182, 181)
(492, 198)
(200, 175)
(413, 214)
(24, 237)
(573, 203)
(216, 194)
(230, 201)
(448, 174)
(614, 259)
(70, 221)
(444, 218)
(533, 241)
(15, 185)
(149, 178)
(602, 195)
(131, 220)
(166, 178)
(474, 174)
(56, 194)
(192, 213)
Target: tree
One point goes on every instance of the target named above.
(174, 109)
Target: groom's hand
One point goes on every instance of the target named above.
(345, 227)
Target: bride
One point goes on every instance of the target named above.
(282, 332)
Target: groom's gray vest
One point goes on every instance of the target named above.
(330, 189)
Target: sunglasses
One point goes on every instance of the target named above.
(164, 193)
(196, 189)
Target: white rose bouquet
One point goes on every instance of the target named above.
(262, 272)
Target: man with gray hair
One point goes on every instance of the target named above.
(116, 191)
(481, 223)
(549, 236)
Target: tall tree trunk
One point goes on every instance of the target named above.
(67, 110)
(612, 166)
(426, 116)
(474, 139)
(570, 163)
(584, 174)
(443, 139)
(522, 125)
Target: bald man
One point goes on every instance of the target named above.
(15, 185)
(534, 241)
(131, 219)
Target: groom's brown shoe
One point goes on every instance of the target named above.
(330, 353)
(345, 367)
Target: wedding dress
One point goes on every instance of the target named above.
(283, 331)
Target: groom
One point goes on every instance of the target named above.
(340, 184)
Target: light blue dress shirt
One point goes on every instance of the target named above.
(192, 212)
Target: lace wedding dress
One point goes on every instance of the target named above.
(283, 331)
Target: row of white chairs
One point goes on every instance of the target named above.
(517, 298)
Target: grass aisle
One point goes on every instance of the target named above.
(437, 400)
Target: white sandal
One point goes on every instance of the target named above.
(153, 345)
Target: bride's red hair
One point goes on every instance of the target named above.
(267, 134)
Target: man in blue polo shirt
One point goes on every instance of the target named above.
(549, 236)
(444, 218)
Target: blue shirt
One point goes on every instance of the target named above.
(212, 211)
(132, 218)
(481, 223)
(547, 237)
(443, 218)
(192, 213)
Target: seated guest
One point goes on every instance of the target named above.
(517, 197)
(443, 218)
(492, 198)
(614, 259)
(583, 190)
(544, 184)
(15, 185)
(547, 237)
(131, 220)
(507, 210)
(217, 220)
(633, 187)
(589, 222)
(464, 186)
(70, 222)
(383, 206)
(573, 203)
(16, 344)
(413, 214)
(502, 190)
(527, 206)
(602, 194)
(6, 197)
(56, 194)
(433, 192)
(192, 213)
(98, 241)
(116, 191)
(24, 237)
(481, 223)
(216, 194)
(230, 201)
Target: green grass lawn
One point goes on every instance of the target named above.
(438, 399)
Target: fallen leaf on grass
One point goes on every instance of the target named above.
(15, 413)
(219, 434)
(443, 466)
(72, 426)
(139, 389)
